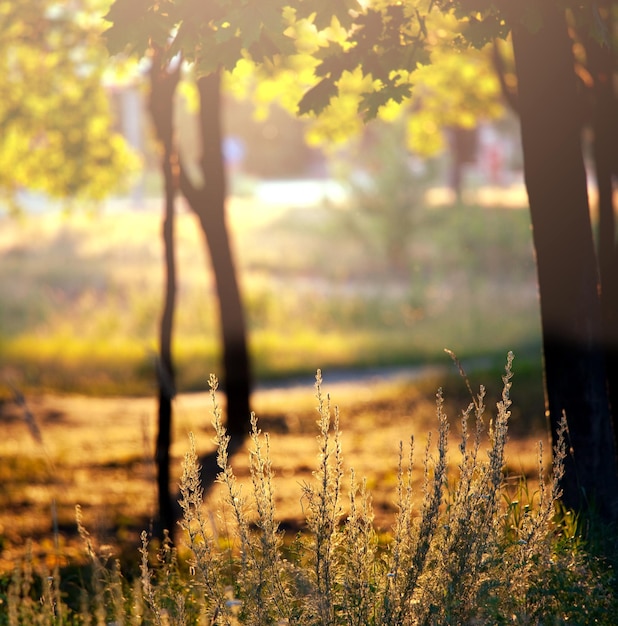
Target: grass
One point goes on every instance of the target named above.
(81, 295)
(73, 442)
(461, 547)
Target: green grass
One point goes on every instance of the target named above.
(81, 295)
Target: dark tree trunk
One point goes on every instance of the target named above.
(163, 85)
(166, 375)
(575, 377)
(605, 153)
(208, 203)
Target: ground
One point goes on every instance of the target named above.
(97, 452)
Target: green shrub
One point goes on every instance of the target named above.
(466, 554)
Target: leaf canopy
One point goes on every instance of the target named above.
(387, 40)
(371, 53)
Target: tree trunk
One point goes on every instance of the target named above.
(163, 86)
(605, 153)
(208, 203)
(575, 378)
(166, 376)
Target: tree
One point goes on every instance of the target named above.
(55, 124)
(600, 56)
(386, 192)
(575, 378)
(206, 198)
(450, 96)
(163, 83)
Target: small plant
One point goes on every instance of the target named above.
(461, 552)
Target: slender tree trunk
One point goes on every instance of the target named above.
(575, 377)
(163, 85)
(208, 203)
(166, 375)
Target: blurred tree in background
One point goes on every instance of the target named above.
(385, 165)
(56, 132)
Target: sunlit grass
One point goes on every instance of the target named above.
(81, 295)
(80, 301)
(108, 442)
(115, 365)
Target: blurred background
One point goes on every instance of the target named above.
(379, 249)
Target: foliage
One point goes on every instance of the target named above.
(55, 121)
(212, 35)
(390, 40)
(463, 556)
(335, 60)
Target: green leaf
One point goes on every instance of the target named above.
(318, 97)
(372, 101)
(134, 25)
(466, 8)
(127, 11)
(480, 32)
(186, 41)
(261, 29)
(213, 56)
(335, 61)
(373, 65)
(283, 43)
(371, 27)
(249, 25)
(264, 49)
(200, 12)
